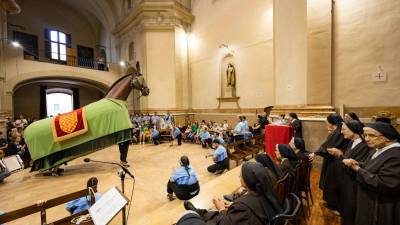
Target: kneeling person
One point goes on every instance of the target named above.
(183, 182)
(220, 158)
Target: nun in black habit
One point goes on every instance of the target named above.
(331, 167)
(378, 178)
(257, 207)
(358, 150)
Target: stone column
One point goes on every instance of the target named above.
(290, 52)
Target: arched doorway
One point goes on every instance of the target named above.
(41, 98)
(58, 101)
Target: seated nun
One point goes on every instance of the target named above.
(287, 159)
(183, 182)
(82, 204)
(299, 148)
(269, 163)
(257, 207)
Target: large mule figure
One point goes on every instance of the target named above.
(54, 141)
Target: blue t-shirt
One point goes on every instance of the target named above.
(180, 176)
(204, 135)
(155, 133)
(176, 132)
(220, 139)
(80, 204)
(240, 128)
(220, 153)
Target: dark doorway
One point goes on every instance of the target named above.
(85, 56)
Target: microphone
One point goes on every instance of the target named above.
(86, 160)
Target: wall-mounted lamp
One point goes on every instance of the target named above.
(15, 44)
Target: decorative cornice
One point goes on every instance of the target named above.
(155, 15)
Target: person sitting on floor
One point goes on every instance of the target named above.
(176, 134)
(205, 137)
(221, 160)
(257, 207)
(183, 182)
(82, 204)
(155, 135)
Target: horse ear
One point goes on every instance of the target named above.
(138, 67)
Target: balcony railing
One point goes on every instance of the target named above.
(75, 61)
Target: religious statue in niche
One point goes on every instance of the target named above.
(230, 75)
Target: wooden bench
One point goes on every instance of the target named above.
(43, 206)
(170, 213)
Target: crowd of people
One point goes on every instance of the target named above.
(13, 143)
(360, 177)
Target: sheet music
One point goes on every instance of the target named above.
(12, 163)
(107, 207)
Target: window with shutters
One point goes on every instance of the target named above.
(58, 45)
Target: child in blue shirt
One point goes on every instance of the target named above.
(183, 181)
(205, 137)
(221, 160)
(176, 134)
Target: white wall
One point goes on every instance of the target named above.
(247, 29)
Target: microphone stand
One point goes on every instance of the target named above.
(121, 174)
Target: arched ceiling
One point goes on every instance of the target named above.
(108, 12)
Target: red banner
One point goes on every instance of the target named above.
(69, 125)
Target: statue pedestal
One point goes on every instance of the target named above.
(228, 100)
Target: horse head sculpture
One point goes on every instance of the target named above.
(133, 79)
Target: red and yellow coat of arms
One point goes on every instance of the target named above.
(69, 125)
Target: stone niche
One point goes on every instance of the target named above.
(228, 83)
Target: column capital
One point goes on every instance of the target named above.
(155, 15)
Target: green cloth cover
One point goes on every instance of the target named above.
(108, 122)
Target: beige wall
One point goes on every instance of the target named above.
(160, 69)
(40, 14)
(366, 34)
(319, 36)
(246, 29)
(290, 43)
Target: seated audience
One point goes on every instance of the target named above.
(350, 116)
(176, 134)
(82, 204)
(225, 125)
(257, 207)
(240, 129)
(3, 168)
(269, 163)
(299, 148)
(15, 148)
(155, 135)
(286, 158)
(205, 137)
(183, 182)
(220, 158)
(296, 124)
(378, 178)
